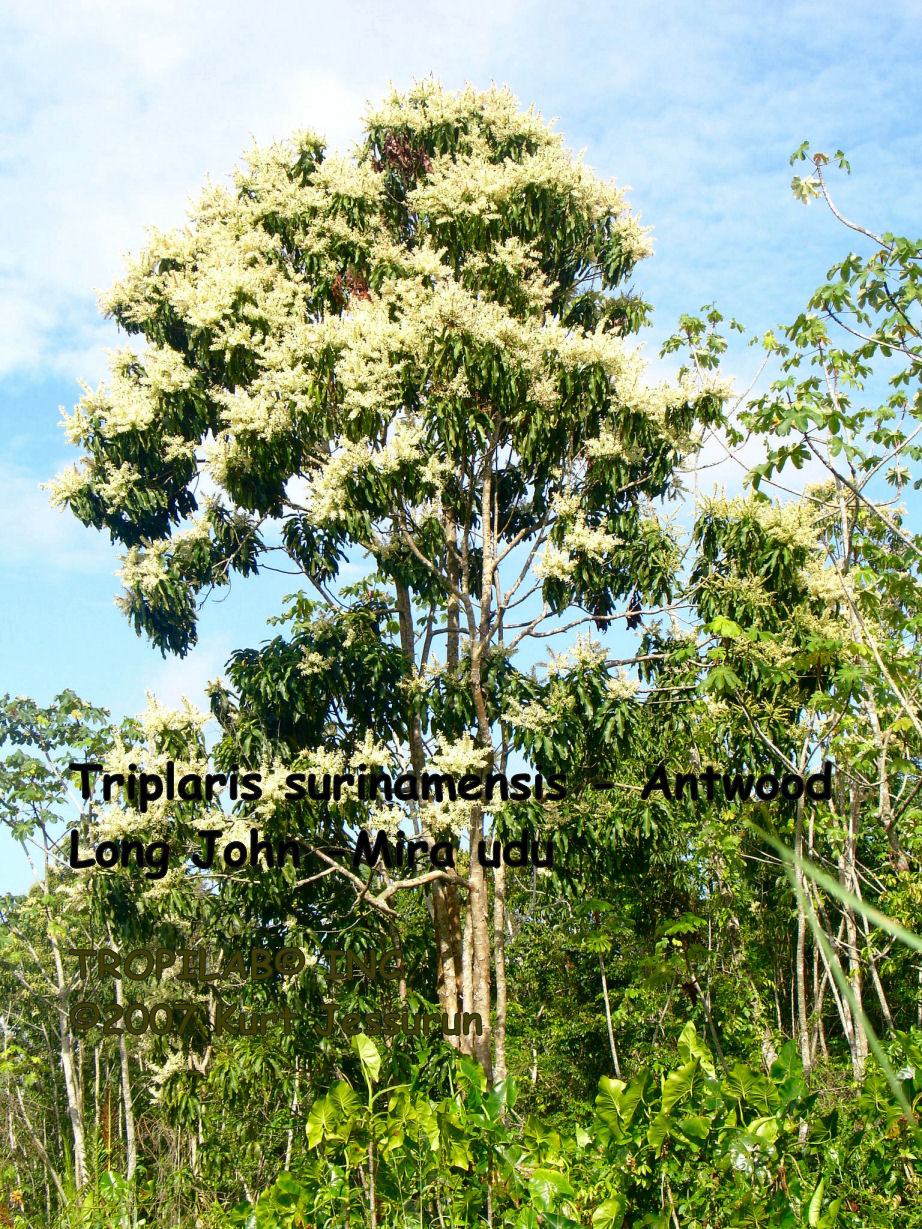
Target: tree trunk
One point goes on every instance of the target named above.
(611, 1031)
(68, 1065)
(131, 1143)
(499, 961)
(885, 802)
(448, 988)
(849, 880)
(39, 1148)
(478, 906)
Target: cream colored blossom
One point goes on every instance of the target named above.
(580, 539)
(312, 663)
(585, 653)
(621, 686)
(554, 563)
(144, 569)
(373, 754)
(824, 583)
(157, 719)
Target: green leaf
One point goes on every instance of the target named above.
(369, 1057)
(547, 1185)
(610, 1214)
(722, 626)
(805, 189)
(344, 1099)
(659, 1130)
(679, 1084)
(765, 1128)
(321, 1121)
(608, 1102)
(695, 1127)
(427, 1122)
(691, 1046)
(816, 1203)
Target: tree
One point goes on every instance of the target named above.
(808, 610)
(419, 356)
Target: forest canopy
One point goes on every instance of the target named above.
(411, 377)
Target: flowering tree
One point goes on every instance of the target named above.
(419, 356)
(808, 616)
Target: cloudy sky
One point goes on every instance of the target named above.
(112, 116)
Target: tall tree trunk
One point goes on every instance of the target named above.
(68, 1063)
(131, 1141)
(448, 988)
(467, 967)
(96, 1056)
(499, 963)
(40, 1149)
(611, 1031)
(478, 906)
(842, 1006)
(443, 896)
(294, 1110)
(884, 800)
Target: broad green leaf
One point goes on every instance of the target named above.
(610, 1214)
(321, 1121)
(679, 1083)
(547, 1186)
(344, 1099)
(691, 1046)
(608, 1101)
(816, 1203)
(659, 1130)
(427, 1122)
(695, 1126)
(765, 1128)
(369, 1057)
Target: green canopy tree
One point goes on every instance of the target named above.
(807, 610)
(417, 355)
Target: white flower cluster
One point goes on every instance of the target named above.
(327, 491)
(175, 1062)
(792, 524)
(535, 717)
(143, 568)
(427, 104)
(824, 583)
(580, 539)
(157, 720)
(373, 754)
(456, 759)
(621, 686)
(312, 663)
(554, 563)
(585, 653)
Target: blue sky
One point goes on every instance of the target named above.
(113, 115)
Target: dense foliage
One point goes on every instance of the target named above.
(415, 363)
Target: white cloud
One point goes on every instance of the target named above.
(186, 678)
(114, 114)
(33, 535)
